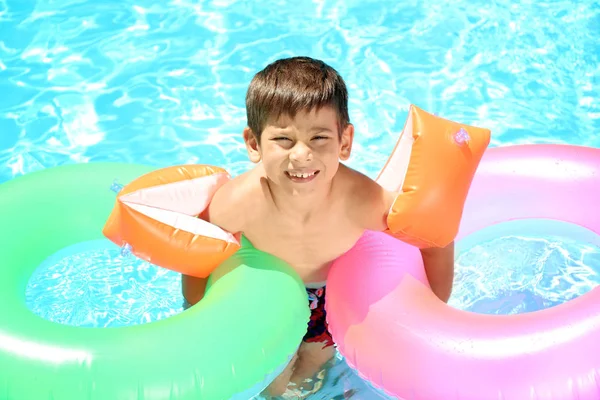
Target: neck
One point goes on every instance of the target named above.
(299, 205)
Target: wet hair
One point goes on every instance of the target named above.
(290, 85)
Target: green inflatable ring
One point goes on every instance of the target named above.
(230, 345)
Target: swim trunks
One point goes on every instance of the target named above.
(317, 325)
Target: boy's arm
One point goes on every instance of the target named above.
(438, 262)
(439, 267)
(224, 212)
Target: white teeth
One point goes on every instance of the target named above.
(300, 175)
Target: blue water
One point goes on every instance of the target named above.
(163, 83)
(525, 265)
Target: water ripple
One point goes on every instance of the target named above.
(143, 82)
(93, 285)
(516, 274)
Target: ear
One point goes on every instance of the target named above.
(346, 142)
(252, 145)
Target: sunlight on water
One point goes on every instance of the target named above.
(164, 82)
(92, 284)
(525, 266)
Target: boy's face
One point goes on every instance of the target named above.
(302, 154)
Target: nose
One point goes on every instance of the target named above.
(300, 153)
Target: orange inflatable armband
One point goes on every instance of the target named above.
(431, 169)
(157, 215)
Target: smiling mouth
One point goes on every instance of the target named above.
(301, 176)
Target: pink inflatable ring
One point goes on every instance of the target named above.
(398, 335)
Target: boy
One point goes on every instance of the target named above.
(300, 203)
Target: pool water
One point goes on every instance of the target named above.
(163, 83)
(525, 265)
(95, 284)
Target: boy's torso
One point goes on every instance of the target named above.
(308, 246)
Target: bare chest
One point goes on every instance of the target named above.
(309, 248)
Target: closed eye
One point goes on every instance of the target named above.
(320, 137)
(280, 138)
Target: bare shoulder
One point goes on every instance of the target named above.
(368, 202)
(232, 205)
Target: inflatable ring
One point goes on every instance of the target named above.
(404, 340)
(230, 345)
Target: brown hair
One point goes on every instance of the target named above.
(295, 84)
